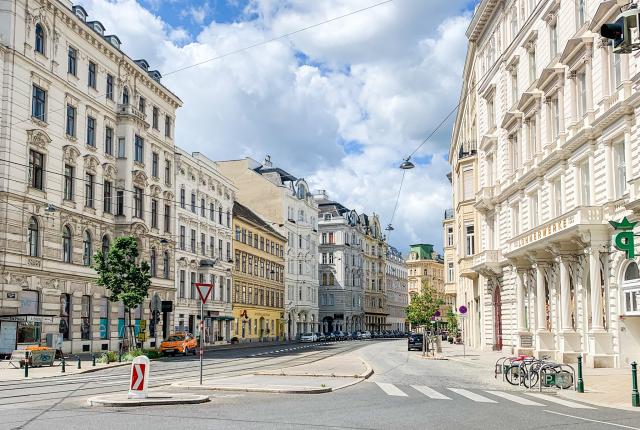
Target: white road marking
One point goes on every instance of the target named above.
(472, 396)
(562, 402)
(391, 389)
(430, 392)
(513, 398)
(594, 421)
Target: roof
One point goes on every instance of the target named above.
(284, 176)
(243, 212)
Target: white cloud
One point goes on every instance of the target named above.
(383, 78)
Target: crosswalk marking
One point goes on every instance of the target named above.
(391, 389)
(430, 392)
(472, 396)
(562, 402)
(513, 398)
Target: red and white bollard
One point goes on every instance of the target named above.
(139, 380)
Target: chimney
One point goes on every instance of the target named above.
(267, 161)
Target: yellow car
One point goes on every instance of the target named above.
(183, 343)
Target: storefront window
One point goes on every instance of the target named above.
(65, 308)
(85, 318)
(104, 318)
(121, 320)
(137, 315)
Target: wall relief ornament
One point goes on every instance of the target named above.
(91, 163)
(140, 178)
(38, 138)
(71, 153)
(110, 170)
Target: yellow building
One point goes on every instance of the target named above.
(424, 265)
(258, 278)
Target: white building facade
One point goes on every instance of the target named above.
(203, 246)
(341, 294)
(397, 290)
(285, 201)
(558, 150)
(86, 136)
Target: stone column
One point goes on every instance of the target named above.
(561, 109)
(588, 75)
(540, 298)
(538, 116)
(596, 298)
(565, 311)
(608, 153)
(520, 301)
(574, 97)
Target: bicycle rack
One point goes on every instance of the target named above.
(499, 367)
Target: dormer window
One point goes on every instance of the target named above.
(39, 39)
(155, 75)
(80, 12)
(327, 217)
(143, 63)
(98, 27)
(114, 41)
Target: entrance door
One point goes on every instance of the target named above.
(497, 319)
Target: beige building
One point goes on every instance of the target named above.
(555, 114)
(285, 202)
(396, 290)
(425, 266)
(203, 246)
(375, 251)
(88, 154)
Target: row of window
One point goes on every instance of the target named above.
(182, 244)
(203, 208)
(250, 238)
(297, 240)
(254, 295)
(253, 265)
(217, 292)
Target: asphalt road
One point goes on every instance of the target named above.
(406, 392)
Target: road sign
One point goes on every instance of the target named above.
(156, 303)
(203, 291)
(462, 309)
(549, 379)
(139, 380)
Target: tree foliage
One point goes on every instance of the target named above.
(423, 305)
(119, 273)
(452, 321)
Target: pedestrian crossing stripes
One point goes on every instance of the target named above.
(446, 393)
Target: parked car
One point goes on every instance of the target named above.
(331, 337)
(366, 335)
(320, 337)
(415, 342)
(308, 337)
(183, 343)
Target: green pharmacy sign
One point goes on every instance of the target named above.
(623, 240)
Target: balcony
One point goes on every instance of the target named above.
(565, 228)
(488, 263)
(450, 288)
(465, 268)
(129, 110)
(467, 149)
(448, 213)
(484, 199)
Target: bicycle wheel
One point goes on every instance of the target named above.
(531, 379)
(514, 375)
(564, 379)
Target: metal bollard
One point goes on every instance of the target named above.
(63, 365)
(93, 360)
(580, 386)
(120, 357)
(635, 397)
(26, 367)
(79, 365)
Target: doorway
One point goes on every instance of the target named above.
(497, 319)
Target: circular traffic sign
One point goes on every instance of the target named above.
(437, 314)
(462, 309)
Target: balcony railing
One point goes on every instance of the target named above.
(467, 149)
(129, 109)
(448, 213)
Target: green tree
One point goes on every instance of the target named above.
(423, 305)
(119, 273)
(452, 322)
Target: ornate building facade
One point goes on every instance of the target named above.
(285, 202)
(203, 246)
(341, 274)
(88, 154)
(556, 117)
(396, 290)
(375, 251)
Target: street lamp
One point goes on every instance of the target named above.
(407, 164)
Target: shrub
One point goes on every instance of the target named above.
(152, 353)
(108, 357)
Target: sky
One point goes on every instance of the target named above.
(340, 104)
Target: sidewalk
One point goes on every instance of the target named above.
(603, 387)
(330, 374)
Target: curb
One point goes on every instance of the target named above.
(463, 361)
(97, 369)
(151, 401)
(309, 390)
(601, 404)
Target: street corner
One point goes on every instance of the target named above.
(153, 399)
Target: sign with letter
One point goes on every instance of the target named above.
(623, 240)
(139, 380)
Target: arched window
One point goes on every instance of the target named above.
(153, 262)
(165, 265)
(125, 96)
(632, 272)
(87, 248)
(67, 244)
(324, 279)
(34, 238)
(39, 39)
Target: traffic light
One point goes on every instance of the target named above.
(621, 32)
